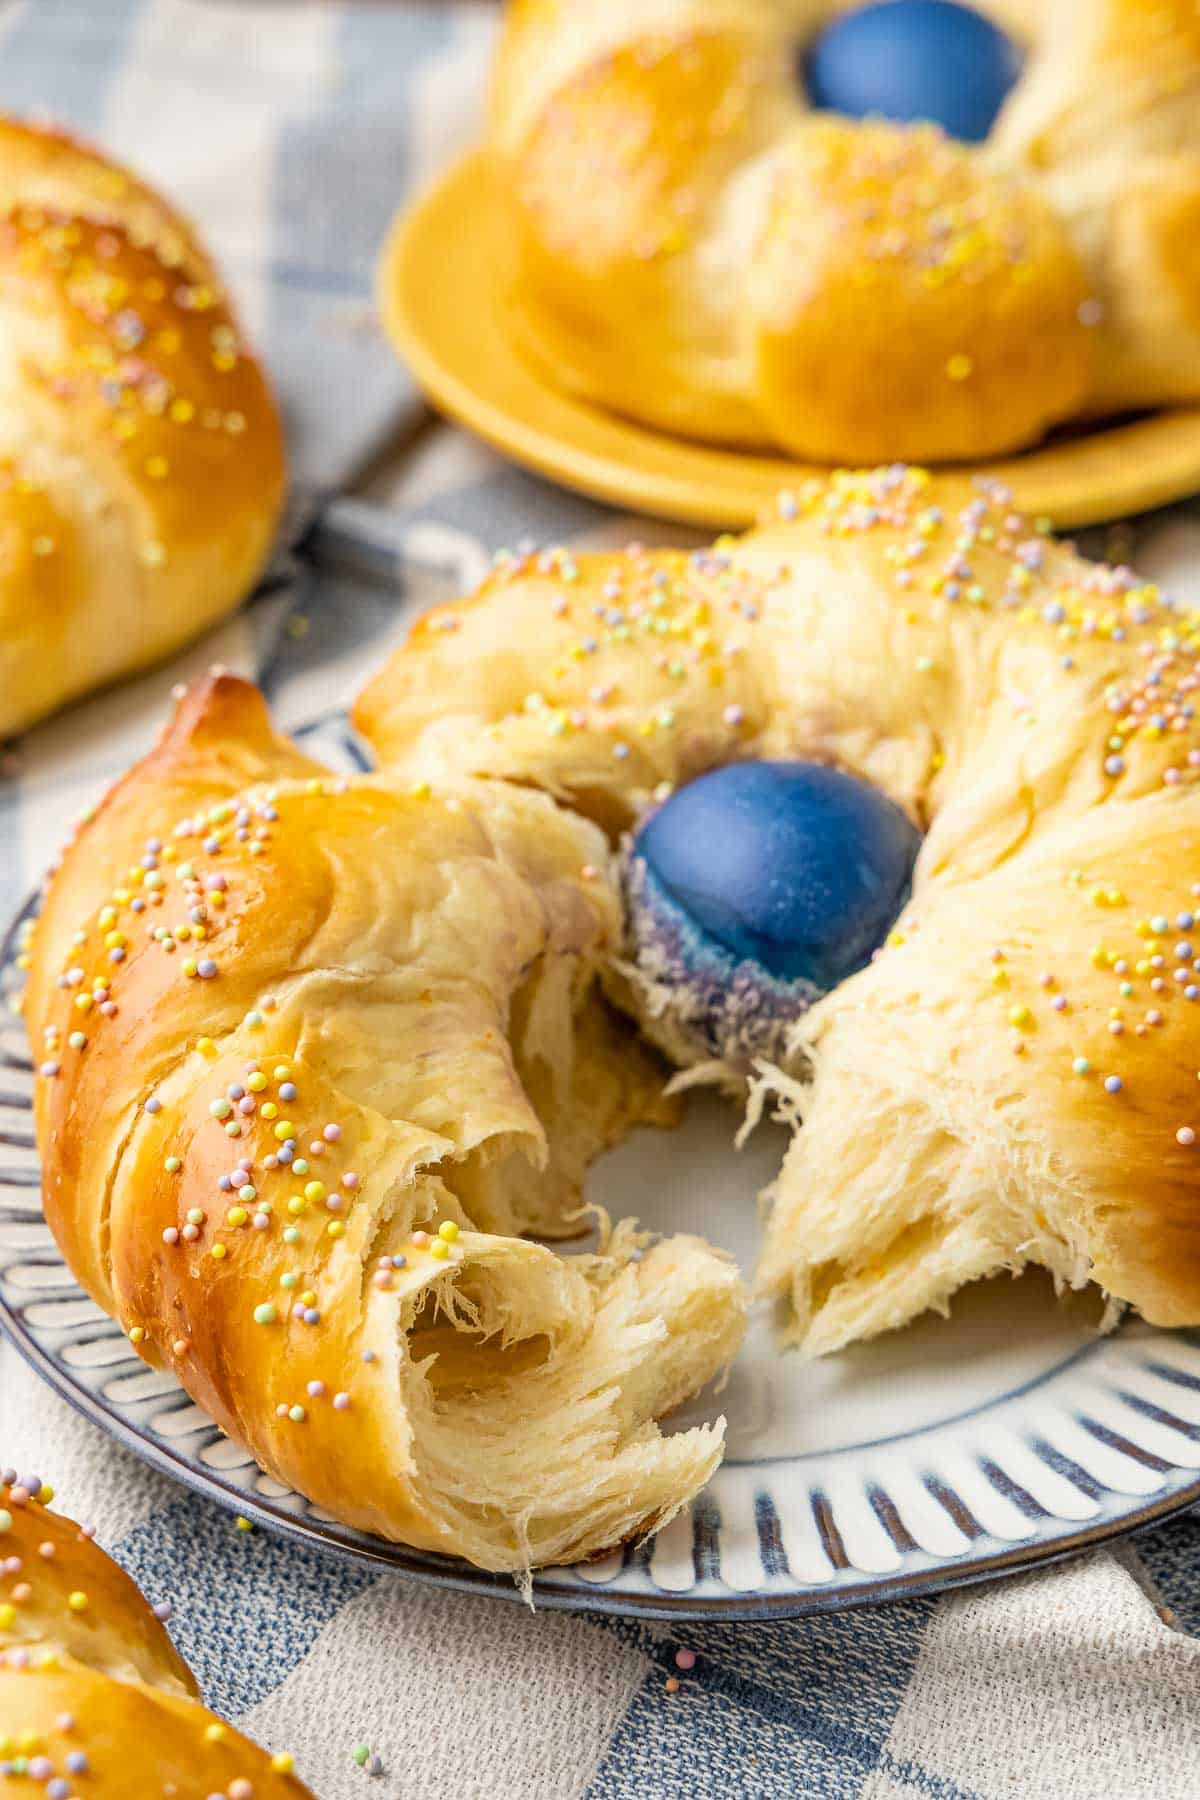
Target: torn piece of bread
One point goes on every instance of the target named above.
(313, 1052)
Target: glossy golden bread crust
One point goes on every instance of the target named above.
(1034, 714)
(386, 998)
(689, 246)
(141, 457)
(92, 1690)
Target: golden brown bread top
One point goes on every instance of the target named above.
(909, 627)
(1000, 351)
(689, 246)
(94, 1698)
(1035, 714)
(311, 1049)
(141, 457)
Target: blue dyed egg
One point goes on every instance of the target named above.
(914, 59)
(760, 886)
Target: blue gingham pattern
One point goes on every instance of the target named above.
(291, 132)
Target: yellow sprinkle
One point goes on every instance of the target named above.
(215, 1732)
(283, 1763)
(8, 1615)
(1020, 1016)
(136, 1333)
(448, 1230)
(218, 1252)
(206, 1047)
(244, 1524)
(78, 1601)
(335, 1228)
(440, 1249)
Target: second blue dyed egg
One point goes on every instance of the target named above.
(912, 60)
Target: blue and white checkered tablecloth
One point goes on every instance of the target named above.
(291, 132)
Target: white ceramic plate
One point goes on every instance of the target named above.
(1002, 1437)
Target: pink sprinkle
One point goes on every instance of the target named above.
(349, 1179)
(171, 1235)
(685, 1659)
(341, 1402)
(1185, 1136)
(332, 1133)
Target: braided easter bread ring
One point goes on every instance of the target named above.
(692, 247)
(141, 458)
(1013, 1079)
(312, 1052)
(94, 1698)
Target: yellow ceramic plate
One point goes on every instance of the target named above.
(441, 301)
